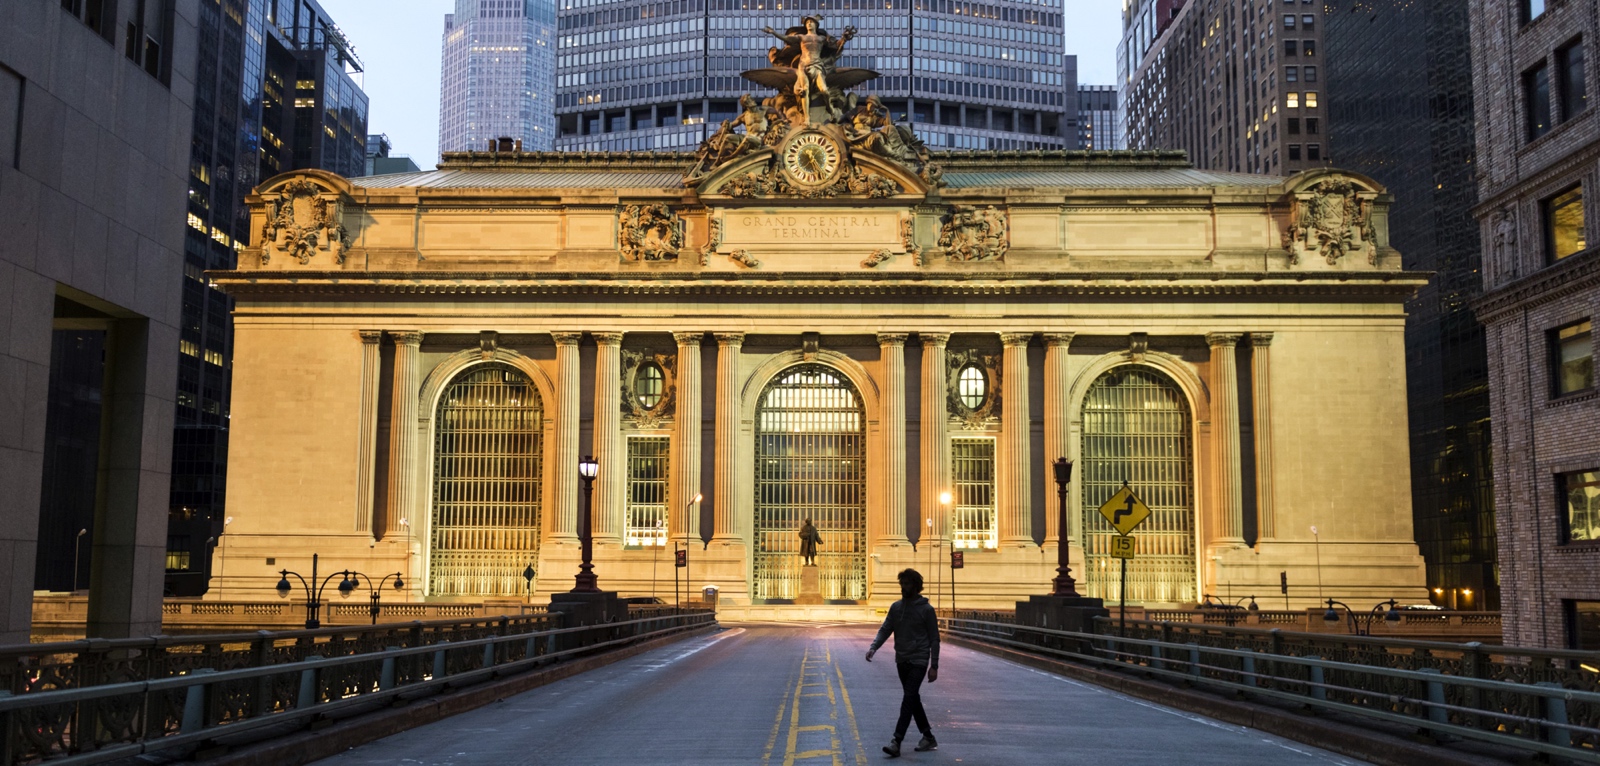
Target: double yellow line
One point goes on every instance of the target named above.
(814, 682)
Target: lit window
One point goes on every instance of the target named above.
(1311, 99)
(972, 386)
(973, 521)
(1572, 357)
(1291, 100)
(649, 385)
(646, 521)
(1581, 492)
(197, 224)
(1564, 224)
(1308, 48)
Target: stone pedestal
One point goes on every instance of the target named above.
(810, 586)
(589, 608)
(1061, 613)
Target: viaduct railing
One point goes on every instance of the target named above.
(1535, 700)
(97, 700)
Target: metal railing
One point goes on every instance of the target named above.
(1544, 701)
(97, 700)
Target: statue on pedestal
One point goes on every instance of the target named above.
(810, 538)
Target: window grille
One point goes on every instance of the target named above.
(810, 464)
(488, 456)
(1136, 428)
(973, 522)
(646, 522)
(972, 386)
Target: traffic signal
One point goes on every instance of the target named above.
(683, 558)
(1283, 583)
(958, 559)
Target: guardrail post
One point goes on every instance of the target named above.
(1275, 668)
(307, 698)
(1315, 686)
(1194, 659)
(439, 659)
(1249, 674)
(1555, 712)
(386, 675)
(488, 654)
(194, 703)
(1156, 657)
(260, 657)
(1474, 665)
(1434, 691)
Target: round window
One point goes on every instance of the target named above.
(972, 386)
(649, 383)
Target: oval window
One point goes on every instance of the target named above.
(649, 383)
(972, 386)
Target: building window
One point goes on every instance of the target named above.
(973, 521)
(1572, 358)
(1291, 74)
(1313, 125)
(1311, 99)
(1288, 21)
(972, 386)
(646, 522)
(1314, 152)
(1291, 100)
(1311, 74)
(1532, 9)
(1290, 47)
(1536, 99)
(1574, 95)
(1294, 152)
(1564, 224)
(649, 385)
(1294, 126)
(10, 117)
(1308, 47)
(1580, 491)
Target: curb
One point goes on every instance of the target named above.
(307, 746)
(1354, 742)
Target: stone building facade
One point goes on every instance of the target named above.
(811, 325)
(1538, 165)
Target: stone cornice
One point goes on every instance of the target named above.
(1388, 286)
(1568, 277)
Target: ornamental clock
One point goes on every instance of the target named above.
(812, 160)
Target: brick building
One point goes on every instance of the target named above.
(1538, 165)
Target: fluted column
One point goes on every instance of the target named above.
(725, 521)
(1225, 435)
(563, 470)
(935, 431)
(367, 429)
(1057, 420)
(403, 431)
(891, 523)
(685, 466)
(1016, 508)
(1261, 377)
(610, 451)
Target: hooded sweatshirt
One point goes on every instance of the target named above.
(916, 632)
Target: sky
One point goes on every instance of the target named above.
(398, 42)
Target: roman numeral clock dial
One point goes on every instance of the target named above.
(812, 159)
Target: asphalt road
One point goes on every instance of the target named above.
(803, 694)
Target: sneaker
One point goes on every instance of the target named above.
(927, 743)
(893, 748)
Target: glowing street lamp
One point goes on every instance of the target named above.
(587, 582)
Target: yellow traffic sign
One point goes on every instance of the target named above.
(1122, 547)
(1125, 510)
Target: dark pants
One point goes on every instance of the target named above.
(911, 704)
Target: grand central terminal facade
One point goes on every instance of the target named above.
(815, 318)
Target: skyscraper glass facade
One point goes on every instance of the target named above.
(638, 75)
(1097, 118)
(498, 75)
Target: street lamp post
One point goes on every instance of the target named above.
(688, 519)
(376, 593)
(1364, 627)
(945, 498)
(1064, 584)
(587, 582)
(347, 583)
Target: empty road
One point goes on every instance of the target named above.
(803, 694)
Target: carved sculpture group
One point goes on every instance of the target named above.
(304, 219)
(1332, 218)
(650, 233)
(973, 234)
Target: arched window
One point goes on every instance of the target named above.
(1136, 428)
(487, 481)
(811, 463)
(972, 386)
(649, 385)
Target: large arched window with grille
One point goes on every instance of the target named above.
(1136, 428)
(811, 463)
(487, 480)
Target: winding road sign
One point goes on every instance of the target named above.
(1125, 510)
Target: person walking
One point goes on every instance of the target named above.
(915, 626)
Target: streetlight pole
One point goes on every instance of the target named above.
(945, 498)
(1064, 584)
(376, 594)
(347, 583)
(1392, 614)
(688, 519)
(587, 582)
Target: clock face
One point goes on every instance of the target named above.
(812, 159)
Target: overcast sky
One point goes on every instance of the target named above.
(398, 41)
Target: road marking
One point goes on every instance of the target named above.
(688, 652)
(777, 725)
(850, 712)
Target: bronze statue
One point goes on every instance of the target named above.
(810, 538)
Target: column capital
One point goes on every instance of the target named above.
(606, 338)
(1215, 339)
(1261, 339)
(406, 337)
(933, 338)
(689, 337)
(729, 338)
(1059, 338)
(892, 338)
(1015, 338)
(565, 338)
(370, 337)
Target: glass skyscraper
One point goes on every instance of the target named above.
(498, 77)
(647, 75)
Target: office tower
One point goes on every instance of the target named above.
(498, 77)
(657, 75)
(1238, 86)
(381, 162)
(1097, 118)
(1403, 115)
(273, 93)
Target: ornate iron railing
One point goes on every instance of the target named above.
(1540, 700)
(96, 700)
